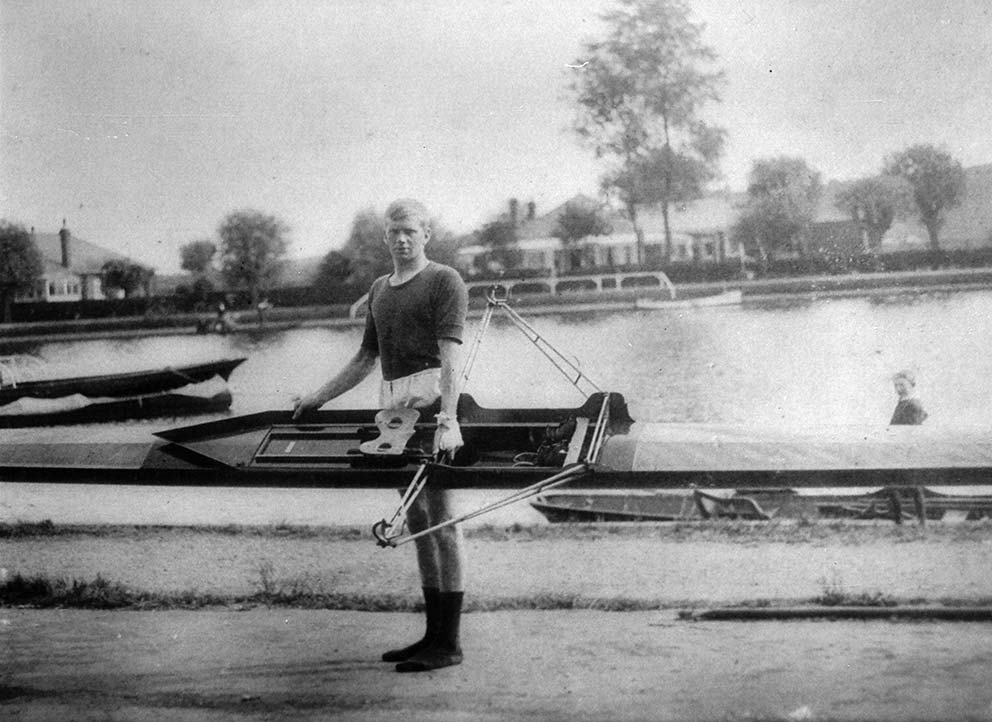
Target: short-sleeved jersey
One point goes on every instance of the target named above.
(405, 322)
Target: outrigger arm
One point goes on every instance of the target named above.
(385, 531)
(382, 530)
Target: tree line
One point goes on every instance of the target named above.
(641, 93)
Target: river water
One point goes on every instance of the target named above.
(792, 363)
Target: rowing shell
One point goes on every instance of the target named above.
(510, 449)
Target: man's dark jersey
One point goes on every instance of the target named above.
(405, 322)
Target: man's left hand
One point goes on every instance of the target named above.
(449, 435)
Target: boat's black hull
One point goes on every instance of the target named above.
(506, 449)
(136, 383)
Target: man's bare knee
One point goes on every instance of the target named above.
(448, 539)
(418, 516)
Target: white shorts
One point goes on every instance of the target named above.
(412, 392)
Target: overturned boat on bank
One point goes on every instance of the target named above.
(169, 391)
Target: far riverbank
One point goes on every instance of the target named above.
(754, 292)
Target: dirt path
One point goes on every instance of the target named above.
(309, 665)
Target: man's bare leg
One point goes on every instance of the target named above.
(448, 541)
(418, 518)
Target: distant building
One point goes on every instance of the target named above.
(701, 232)
(71, 268)
(699, 229)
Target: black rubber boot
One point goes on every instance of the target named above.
(446, 650)
(432, 608)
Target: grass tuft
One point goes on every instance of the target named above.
(22, 529)
(43, 592)
(834, 595)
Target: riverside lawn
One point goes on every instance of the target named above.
(619, 567)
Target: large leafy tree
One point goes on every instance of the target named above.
(334, 272)
(937, 180)
(641, 92)
(197, 256)
(874, 202)
(122, 274)
(579, 220)
(366, 250)
(20, 264)
(252, 248)
(782, 198)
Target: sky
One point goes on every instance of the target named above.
(144, 123)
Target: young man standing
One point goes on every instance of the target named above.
(414, 329)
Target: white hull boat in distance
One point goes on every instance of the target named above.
(726, 298)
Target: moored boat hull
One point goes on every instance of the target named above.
(149, 406)
(128, 384)
(726, 298)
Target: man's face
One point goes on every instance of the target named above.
(903, 387)
(406, 238)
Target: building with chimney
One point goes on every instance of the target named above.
(72, 268)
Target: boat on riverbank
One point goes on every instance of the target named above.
(891, 503)
(171, 391)
(595, 446)
(191, 400)
(20, 380)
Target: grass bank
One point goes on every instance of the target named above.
(839, 531)
(43, 592)
(607, 567)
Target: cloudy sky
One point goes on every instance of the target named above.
(144, 122)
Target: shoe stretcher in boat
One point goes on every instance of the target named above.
(513, 448)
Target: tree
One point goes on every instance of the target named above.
(578, 220)
(121, 274)
(937, 180)
(198, 256)
(252, 247)
(366, 250)
(500, 237)
(443, 246)
(334, 271)
(640, 94)
(873, 203)
(782, 197)
(334, 267)
(21, 264)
